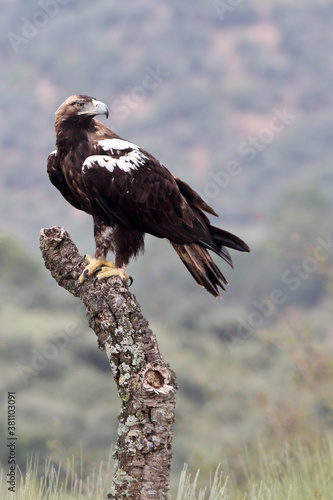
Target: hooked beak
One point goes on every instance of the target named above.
(96, 108)
(100, 108)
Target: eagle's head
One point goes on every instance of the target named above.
(79, 108)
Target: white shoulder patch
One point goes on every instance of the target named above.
(101, 160)
(116, 144)
(128, 156)
(54, 152)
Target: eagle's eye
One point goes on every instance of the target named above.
(79, 104)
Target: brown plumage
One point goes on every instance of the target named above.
(129, 193)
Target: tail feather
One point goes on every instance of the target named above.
(195, 255)
(196, 258)
(219, 249)
(221, 237)
(202, 267)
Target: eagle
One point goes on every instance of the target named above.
(129, 193)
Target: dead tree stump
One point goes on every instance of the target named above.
(145, 383)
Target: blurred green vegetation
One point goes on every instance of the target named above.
(298, 474)
(256, 365)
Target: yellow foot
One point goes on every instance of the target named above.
(107, 271)
(104, 268)
(92, 267)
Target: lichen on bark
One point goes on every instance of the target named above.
(145, 383)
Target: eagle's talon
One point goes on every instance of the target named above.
(94, 266)
(108, 271)
(84, 275)
(130, 279)
(97, 271)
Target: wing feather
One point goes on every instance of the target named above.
(57, 178)
(146, 196)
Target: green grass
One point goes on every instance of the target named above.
(58, 482)
(303, 475)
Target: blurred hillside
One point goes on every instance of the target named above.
(198, 88)
(237, 101)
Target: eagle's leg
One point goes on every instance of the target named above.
(99, 266)
(103, 240)
(94, 266)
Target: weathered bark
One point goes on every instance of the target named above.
(146, 384)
